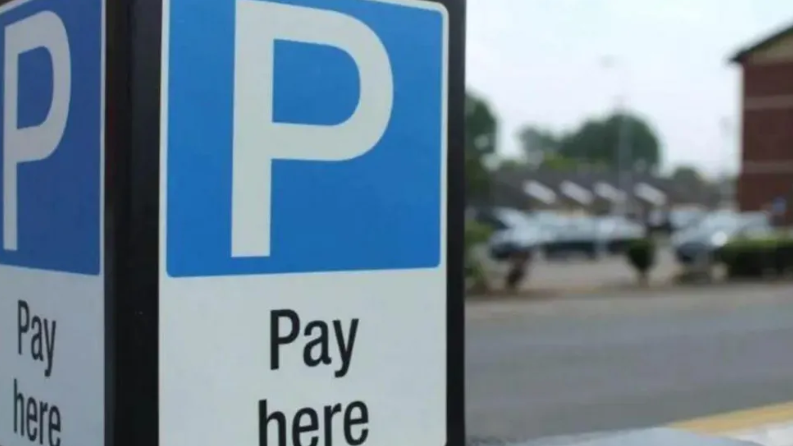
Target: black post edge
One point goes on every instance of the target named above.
(117, 134)
(132, 220)
(455, 226)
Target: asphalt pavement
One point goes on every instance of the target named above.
(597, 363)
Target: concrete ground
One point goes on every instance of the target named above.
(596, 362)
(579, 273)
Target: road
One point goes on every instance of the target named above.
(602, 363)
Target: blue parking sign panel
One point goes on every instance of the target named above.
(295, 149)
(51, 134)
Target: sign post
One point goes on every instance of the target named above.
(232, 222)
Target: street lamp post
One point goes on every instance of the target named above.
(623, 148)
(624, 157)
(726, 128)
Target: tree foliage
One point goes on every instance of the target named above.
(537, 144)
(687, 176)
(480, 126)
(597, 141)
(480, 141)
(594, 144)
(559, 163)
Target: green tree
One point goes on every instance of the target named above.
(537, 144)
(511, 164)
(688, 176)
(481, 130)
(559, 163)
(597, 142)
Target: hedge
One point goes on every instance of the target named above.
(475, 234)
(641, 255)
(758, 257)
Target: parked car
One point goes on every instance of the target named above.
(515, 233)
(579, 236)
(659, 222)
(703, 241)
(617, 233)
(592, 237)
(682, 219)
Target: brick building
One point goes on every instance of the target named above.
(767, 124)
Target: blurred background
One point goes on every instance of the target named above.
(629, 242)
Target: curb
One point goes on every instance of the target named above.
(739, 420)
(766, 426)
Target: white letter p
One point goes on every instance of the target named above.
(258, 140)
(20, 145)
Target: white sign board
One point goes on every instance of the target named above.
(52, 321)
(303, 294)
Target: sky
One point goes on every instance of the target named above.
(553, 63)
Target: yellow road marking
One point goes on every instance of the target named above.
(742, 420)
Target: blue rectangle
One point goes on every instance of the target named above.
(58, 204)
(379, 211)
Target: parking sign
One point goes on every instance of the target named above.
(52, 360)
(231, 222)
(322, 149)
(303, 209)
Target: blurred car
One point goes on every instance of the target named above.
(659, 222)
(669, 222)
(592, 237)
(575, 236)
(512, 246)
(682, 219)
(617, 233)
(703, 241)
(515, 232)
